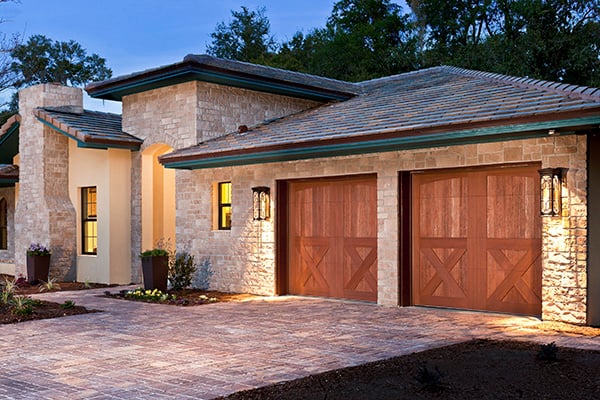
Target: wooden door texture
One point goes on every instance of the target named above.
(476, 239)
(333, 238)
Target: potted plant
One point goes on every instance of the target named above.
(155, 269)
(38, 262)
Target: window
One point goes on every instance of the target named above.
(3, 224)
(89, 221)
(224, 205)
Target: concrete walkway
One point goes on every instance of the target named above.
(148, 351)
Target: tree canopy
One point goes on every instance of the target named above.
(556, 40)
(246, 38)
(43, 60)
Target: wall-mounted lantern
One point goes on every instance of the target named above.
(261, 202)
(551, 181)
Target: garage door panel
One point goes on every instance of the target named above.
(437, 196)
(313, 257)
(360, 269)
(510, 199)
(443, 274)
(494, 214)
(333, 237)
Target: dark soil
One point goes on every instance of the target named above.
(479, 369)
(40, 310)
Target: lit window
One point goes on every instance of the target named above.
(89, 221)
(224, 205)
(3, 225)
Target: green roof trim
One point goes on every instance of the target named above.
(9, 144)
(471, 136)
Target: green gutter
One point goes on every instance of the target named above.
(8, 133)
(88, 145)
(480, 135)
(167, 79)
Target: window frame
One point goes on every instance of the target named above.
(221, 205)
(88, 220)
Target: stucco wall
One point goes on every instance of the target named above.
(243, 258)
(108, 171)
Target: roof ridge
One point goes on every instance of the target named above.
(403, 74)
(577, 91)
(64, 110)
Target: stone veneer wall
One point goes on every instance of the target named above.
(44, 212)
(243, 258)
(185, 114)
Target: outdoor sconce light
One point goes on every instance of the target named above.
(261, 202)
(551, 181)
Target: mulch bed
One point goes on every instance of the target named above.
(479, 369)
(41, 310)
(187, 297)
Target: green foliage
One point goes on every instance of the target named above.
(556, 40)
(50, 285)
(548, 352)
(43, 60)
(22, 305)
(8, 291)
(246, 38)
(161, 249)
(148, 295)
(156, 252)
(181, 271)
(68, 304)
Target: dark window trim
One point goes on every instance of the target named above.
(85, 218)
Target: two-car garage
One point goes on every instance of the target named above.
(475, 238)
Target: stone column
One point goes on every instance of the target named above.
(44, 212)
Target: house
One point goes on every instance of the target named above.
(425, 188)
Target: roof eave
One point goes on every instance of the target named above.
(373, 144)
(86, 141)
(189, 71)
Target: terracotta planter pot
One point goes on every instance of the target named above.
(155, 270)
(37, 268)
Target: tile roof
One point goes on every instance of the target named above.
(232, 73)
(411, 105)
(90, 128)
(9, 172)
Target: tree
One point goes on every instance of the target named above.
(363, 39)
(43, 60)
(246, 38)
(7, 44)
(556, 40)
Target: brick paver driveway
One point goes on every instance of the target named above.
(148, 351)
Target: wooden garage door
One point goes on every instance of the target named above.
(333, 238)
(477, 239)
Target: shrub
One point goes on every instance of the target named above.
(50, 285)
(181, 270)
(548, 352)
(8, 291)
(22, 305)
(204, 273)
(430, 379)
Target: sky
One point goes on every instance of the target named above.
(134, 35)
